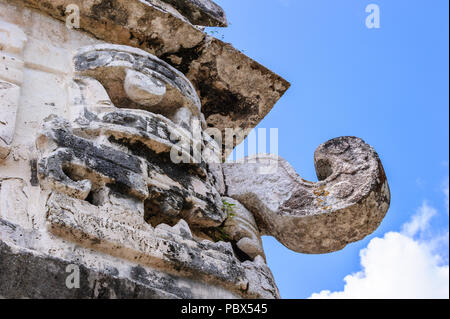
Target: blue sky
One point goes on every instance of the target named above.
(388, 86)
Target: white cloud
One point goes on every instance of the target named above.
(420, 222)
(401, 266)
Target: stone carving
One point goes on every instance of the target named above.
(118, 160)
(136, 79)
(142, 172)
(12, 42)
(120, 176)
(347, 204)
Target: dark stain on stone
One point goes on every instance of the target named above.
(224, 102)
(126, 119)
(106, 161)
(62, 10)
(46, 5)
(5, 85)
(153, 41)
(8, 224)
(160, 162)
(166, 283)
(187, 55)
(34, 181)
(111, 10)
(165, 206)
(22, 271)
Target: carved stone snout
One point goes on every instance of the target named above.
(135, 79)
(347, 204)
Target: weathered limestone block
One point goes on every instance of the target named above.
(201, 12)
(14, 202)
(24, 274)
(348, 203)
(87, 96)
(174, 193)
(33, 264)
(128, 21)
(170, 249)
(236, 92)
(12, 42)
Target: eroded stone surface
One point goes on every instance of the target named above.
(136, 79)
(12, 42)
(172, 249)
(33, 264)
(236, 92)
(24, 274)
(201, 12)
(347, 204)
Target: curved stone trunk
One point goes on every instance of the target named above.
(347, 204)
